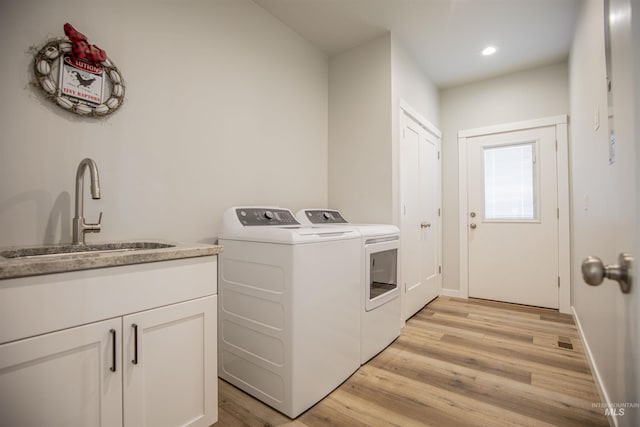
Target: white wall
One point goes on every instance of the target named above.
(524, 95)
(366, 84)
(591, 180)
(411, 85)
(360, 166)
(225, 106)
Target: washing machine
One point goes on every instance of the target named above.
(289, 300)
(380, 308)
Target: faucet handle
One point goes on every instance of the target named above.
(94, 228)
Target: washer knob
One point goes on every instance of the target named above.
(268, 215)
(327, 215)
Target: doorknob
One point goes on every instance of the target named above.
(472, 226)
(425, 224)
(594, 271)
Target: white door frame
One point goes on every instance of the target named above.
(430, 127)
(562, 165)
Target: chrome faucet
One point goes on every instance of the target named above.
(79, 226)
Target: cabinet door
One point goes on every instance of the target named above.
(171, 380)
(66, 378)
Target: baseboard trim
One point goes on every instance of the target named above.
(450, 293)
(613, 422)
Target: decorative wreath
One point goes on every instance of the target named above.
(77, 47)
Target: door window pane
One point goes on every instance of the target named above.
(509, 190)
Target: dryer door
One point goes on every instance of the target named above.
(381, 275)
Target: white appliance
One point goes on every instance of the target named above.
(380, 295)
(289, 301)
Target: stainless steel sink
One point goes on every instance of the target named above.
(57, 250)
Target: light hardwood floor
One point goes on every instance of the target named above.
(456, 363)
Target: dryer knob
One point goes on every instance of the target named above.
(327, 215)
(268, 215)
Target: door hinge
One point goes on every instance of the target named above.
(439, 269)
(438, 155)
(558, 281)
(438, 211)
(556, 145)
(558, 209)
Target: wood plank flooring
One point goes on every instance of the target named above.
(457, 362)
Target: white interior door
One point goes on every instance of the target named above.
(419, 216)
(513, 217)
(625, 127)
(610, 206)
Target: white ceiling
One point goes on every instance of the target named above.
(445, 37)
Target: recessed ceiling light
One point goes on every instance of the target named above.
(490, 50)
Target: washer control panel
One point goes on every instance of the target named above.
(325, 216)
(265, 216)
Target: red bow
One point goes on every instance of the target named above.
(81, 49)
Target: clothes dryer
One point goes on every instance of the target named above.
(380, 308)
(289, 302)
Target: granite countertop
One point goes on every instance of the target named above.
(110, 256)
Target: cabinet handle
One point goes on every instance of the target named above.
(113, 349)
(135, 344)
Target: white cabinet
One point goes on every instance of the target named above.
(160, 372)
(63, 378)
(170, 365)
(71, 355)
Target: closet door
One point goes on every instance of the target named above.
(420, 227)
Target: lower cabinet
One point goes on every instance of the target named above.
(152, 368)
(66, 378)
(170, 365)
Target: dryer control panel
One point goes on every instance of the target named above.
(324, 216)
(265, 216)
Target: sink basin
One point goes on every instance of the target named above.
(47, 251)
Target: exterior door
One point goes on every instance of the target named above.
(419, 215)
(513, 217)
